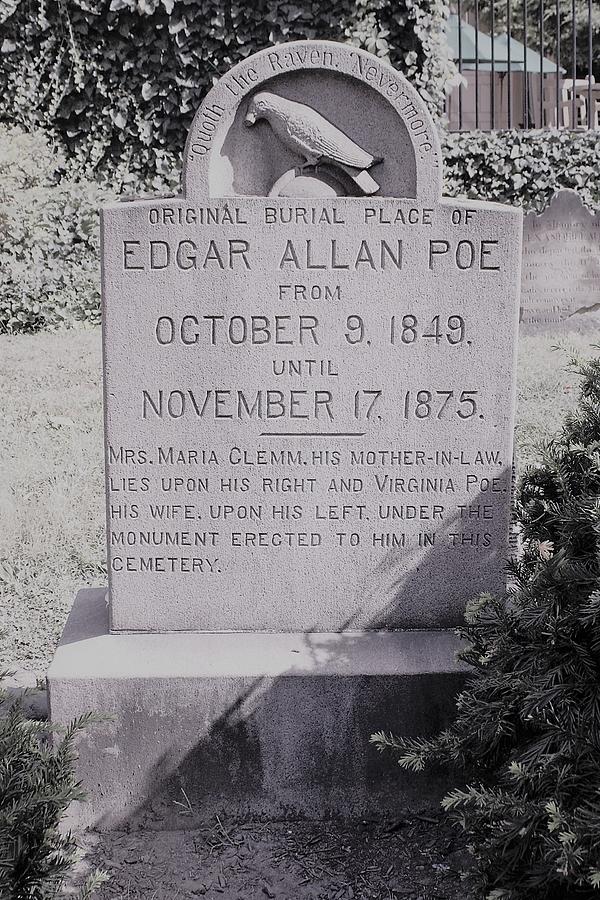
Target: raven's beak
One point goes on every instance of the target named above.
(250, 119)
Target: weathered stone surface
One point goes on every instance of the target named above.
(254, 724)
(560, 281)
(309, 403)
(355, 92)
(309, 396)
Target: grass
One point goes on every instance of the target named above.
(546, 392)
(51, 472)
(51, 487)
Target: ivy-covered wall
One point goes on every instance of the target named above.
(119, 80)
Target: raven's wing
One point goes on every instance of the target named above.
(323, 139)
(337, 146)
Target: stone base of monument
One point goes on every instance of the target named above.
(247, 723)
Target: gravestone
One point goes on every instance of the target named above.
(309, 369)
(560, 281)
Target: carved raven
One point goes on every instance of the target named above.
(309, 134)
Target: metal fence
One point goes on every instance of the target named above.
(525, 64)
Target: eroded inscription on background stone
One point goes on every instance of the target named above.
(560, 286)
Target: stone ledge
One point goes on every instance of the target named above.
(250, 724)
(88, 650)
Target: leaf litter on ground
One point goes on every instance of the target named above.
(286, 860)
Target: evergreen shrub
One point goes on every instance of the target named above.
(37, 784)
(527, 731)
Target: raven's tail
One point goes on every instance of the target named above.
(361, 178)
(364, 181)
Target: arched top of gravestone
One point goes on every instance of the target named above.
(313, 119)
(565, 202)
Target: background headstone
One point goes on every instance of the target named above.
(560, 281)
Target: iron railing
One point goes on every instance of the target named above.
(525, 64)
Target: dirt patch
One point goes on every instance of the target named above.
(421, 857)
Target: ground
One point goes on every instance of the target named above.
(420, 856)
(51, 484)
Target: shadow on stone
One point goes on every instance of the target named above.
(256, 724)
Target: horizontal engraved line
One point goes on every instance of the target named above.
(313, 433)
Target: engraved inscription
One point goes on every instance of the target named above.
(309, 386)
(560, 282)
